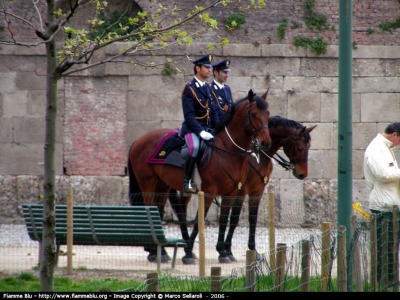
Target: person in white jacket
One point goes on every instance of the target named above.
(382, 177)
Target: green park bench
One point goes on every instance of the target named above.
(104, 226)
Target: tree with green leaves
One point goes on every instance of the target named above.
(70, 49)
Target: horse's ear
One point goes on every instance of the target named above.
(311, 128)
(264, 96)
(251, 95)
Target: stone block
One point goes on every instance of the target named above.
(283, 66)
(281, 50)
(136, 129)
(360, 193)
(162, 84)
(33, 130)
(358, 158)
(369, 51)
(321, 136)
(30, 81)
(15, 104)
(6, 130)
(11, 64)
(36, 106)
(153, 65)
(371, 85)
(380, 107)
(7, 82)
(304, 107)
(246, 50)
(330, 105)
(329, 164)
(363, 133)
(240, 86)
(315, 160)
(369, 67)
(313, 67)
(154, 105)
(292, 205)
(393, 67)
(277, 103)
(27, 159)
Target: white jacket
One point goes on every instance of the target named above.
(382, 174)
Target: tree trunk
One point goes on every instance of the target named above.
(48, 255)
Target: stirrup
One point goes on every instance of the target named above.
(191, 188)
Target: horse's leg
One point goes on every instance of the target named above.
(188, 258)
(159, 198)
(226, 204)
(234, 221)
(254, 203)
(179, 206)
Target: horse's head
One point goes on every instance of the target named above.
(257, 119)
(296, 149)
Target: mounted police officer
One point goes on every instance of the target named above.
(220, 91)
(200, 117)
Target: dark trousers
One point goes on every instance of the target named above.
(380, 216)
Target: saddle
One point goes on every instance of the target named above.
(172, 150)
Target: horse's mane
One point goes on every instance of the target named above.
(227, 118)
(276, 121)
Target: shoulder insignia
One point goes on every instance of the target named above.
(197, 84)
(391, 164)
(215, 87)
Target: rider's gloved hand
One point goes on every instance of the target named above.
(206, 135)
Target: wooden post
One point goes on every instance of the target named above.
(152, 282)
(374, 253)
(70, 229)
(271, 228)
(215, 279)
(325, 255)
(342, 260)
(385, 254)
(280, 268)
(356, 256)
(396, 248)
(305, 265)
(250, 271)
(202, 240)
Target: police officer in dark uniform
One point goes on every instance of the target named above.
(220, 91)
(200, 117)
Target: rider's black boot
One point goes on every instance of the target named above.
(189, 186)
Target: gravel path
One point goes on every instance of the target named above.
(19, 253)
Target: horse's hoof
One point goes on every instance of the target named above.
(153, 258)
(232, 258)
(224, 260)
(194, 255)
(188, 261)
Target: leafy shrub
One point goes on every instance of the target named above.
(235, 21)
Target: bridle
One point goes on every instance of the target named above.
(289, 166)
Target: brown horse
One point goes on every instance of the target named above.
(224, 173)
(295, 140)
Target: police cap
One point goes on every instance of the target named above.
(222, 65)
(203, 61)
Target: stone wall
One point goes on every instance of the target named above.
(103, 110)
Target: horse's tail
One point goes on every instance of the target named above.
(135, 193)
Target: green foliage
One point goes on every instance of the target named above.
(169, 70)
(123, 25)
(282, 29)
(27, 282)
(309, 5)
(313, 19)
(390, 26)
(235, 21)
(317, 45)
(370, 31)
(295, 25)
(354, 45)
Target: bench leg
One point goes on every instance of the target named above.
(158, 257)
(174, 256)
(57, 253)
